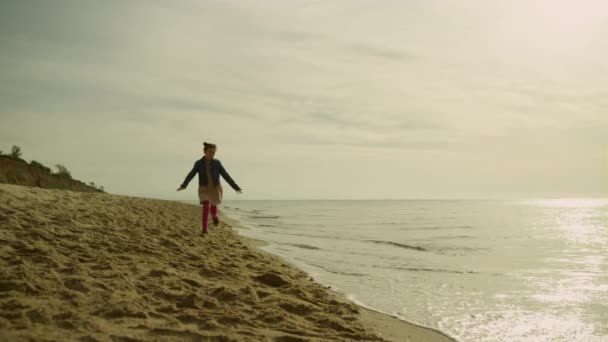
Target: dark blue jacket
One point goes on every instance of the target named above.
(216, 170)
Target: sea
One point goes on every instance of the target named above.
(477, 270)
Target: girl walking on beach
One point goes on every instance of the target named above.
(209, 188)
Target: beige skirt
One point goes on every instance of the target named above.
(213, 194)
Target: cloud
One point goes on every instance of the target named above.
(382, 52)
(144, 82)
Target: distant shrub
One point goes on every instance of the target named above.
(14, 177)
(16, 152)
(62, 171)
(40, 166)
(97, 187)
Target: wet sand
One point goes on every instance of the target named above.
(100, 267)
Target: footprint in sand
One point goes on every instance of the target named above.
(271, 279)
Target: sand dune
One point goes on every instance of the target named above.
(99, 267)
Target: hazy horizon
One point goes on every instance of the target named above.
(313, 99)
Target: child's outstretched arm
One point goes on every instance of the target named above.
(229, 179)
(189, 177)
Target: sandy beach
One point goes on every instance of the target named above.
(100, 267)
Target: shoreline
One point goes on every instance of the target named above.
(97, 267)
(387, 326)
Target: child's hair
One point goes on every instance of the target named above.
(208, 146)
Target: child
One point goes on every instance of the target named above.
(210, 190)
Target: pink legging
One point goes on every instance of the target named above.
(206, 206)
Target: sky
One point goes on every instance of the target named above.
(337, 99)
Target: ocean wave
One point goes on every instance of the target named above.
(267, 225)
(453, 237)
(263, 217)
(347, 273)
(446, 248)
(400, 245)
(302, 245)
(333, 237)
(437, 227)
(421, 269)
(326, 269)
